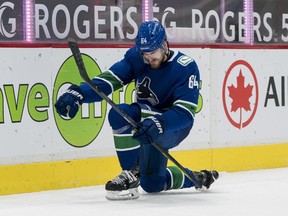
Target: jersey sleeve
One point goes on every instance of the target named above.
(182, 113)
(118, 75)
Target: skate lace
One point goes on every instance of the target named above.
(124, 175)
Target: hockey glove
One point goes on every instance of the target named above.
(149, 130)
(68, 104)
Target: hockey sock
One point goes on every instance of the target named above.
(127, 150)
(176, 178)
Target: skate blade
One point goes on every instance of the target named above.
(129, 194)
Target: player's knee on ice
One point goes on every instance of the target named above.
(153, 183)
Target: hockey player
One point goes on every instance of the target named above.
(167, 90)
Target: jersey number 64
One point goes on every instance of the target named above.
(193, 82)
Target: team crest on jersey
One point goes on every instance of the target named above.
(184, 60)
(144, 92)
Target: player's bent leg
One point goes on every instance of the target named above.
(125, 185)
(126, 147)
(175, 179)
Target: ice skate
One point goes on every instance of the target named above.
(206, 178)
(124, 186)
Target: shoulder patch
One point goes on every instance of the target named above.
(184, 60)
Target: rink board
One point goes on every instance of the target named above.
(97, 171)
(41, 151)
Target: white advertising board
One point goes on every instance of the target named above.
(250, 97)
(32, 79)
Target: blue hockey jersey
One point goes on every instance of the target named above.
(173, 87)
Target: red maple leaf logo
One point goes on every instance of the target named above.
(240, 95)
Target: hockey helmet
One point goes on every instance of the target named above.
(150, 37)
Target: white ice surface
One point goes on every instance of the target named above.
(251, 193)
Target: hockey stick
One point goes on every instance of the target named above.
(80, 64)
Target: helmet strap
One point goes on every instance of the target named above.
(166, 51)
